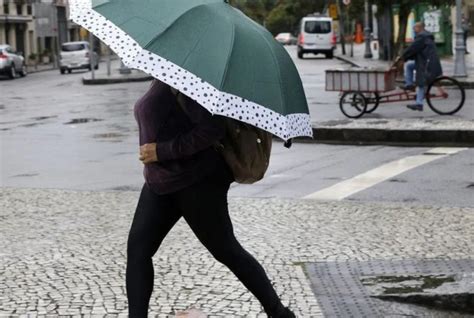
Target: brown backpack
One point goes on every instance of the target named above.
(245, 148)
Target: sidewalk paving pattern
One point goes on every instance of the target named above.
(64, 252)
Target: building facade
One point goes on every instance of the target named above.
(37, 28)
(17, 25)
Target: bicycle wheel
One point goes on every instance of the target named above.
(353, 104)
(373, 106)
(445, 96)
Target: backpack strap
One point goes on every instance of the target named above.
(179, 99)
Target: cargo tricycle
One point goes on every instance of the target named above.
(363, 90)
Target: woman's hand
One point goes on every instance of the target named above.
(148, 153)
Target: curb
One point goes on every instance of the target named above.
(351, 136)
(104, 81)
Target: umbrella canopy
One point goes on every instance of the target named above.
(208, 50)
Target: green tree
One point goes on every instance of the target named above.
(258, 10)
(279, 15)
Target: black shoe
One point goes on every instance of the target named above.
(408, 87)
(415, 107)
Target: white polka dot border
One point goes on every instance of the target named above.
(214, 100)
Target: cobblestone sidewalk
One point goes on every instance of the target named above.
(63, 252)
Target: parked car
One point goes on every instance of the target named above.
(286, 38)
(317, 36)
(11, 62)
(76, 55)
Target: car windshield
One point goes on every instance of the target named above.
(321, 27)
(72, 47)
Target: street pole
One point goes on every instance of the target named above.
(460, 50)
(109, 53)
(368, 50)
(91, 55)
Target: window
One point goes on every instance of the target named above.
(6, 8)
(320, 27)
(29, 10)
(19, 9)
(73, 47)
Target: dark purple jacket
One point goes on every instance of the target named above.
(184, 138)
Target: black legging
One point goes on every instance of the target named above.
(204, 207)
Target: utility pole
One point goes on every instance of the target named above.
(91, 55)
(368, 50)
(109, 53)
(460, 51)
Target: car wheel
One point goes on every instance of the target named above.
(69, 70)
(23, 71)
(330, 55)
(89, 67)
(62, 71)
(96, 67)
(12, 74)
(300, 52)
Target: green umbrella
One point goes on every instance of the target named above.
(208, 50)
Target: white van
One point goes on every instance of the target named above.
(316, 35)
(76, 55)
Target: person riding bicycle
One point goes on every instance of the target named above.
(420, 56)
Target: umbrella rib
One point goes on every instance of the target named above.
(171, 24)
(228, 57)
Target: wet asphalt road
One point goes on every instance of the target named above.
(57, 133)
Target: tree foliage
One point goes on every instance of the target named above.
(279, 15)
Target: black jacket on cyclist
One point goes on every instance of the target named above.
(423, 51)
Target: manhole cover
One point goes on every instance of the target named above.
(340, 292)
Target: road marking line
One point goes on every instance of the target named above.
(387, 171)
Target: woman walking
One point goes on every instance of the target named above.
(185, 177)
(223, 63)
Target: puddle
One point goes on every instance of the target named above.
(25, 175)
(398, 181)
(108, 135)
(125, 188)
(470, 186)
(43, 117)
(31, 125)
(333, 178)
(81, 121)
(114, 89)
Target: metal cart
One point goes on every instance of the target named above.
(364, 89)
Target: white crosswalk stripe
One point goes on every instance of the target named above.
(375, 176)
